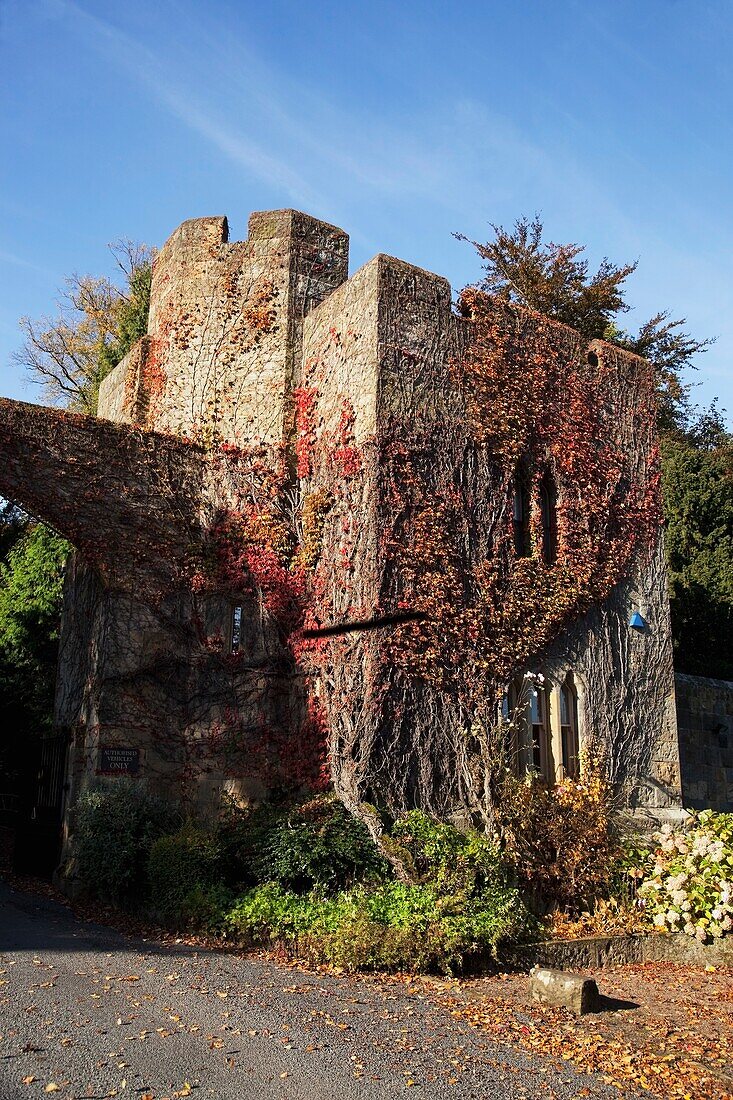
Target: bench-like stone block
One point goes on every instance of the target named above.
(563, 990)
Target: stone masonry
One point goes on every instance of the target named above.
(236, 332)
(705, 723)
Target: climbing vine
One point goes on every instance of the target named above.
(529, 399)
(340, 526)
(535, 401)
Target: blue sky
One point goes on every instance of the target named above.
(402, 123)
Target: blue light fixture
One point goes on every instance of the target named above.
(637, 621)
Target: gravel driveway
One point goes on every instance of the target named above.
(96, 1014)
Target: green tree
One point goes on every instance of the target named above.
(134, 307)
(31, 582)
(697, 478)
(555, 279)
(13, 523)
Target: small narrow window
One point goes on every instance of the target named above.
(539, 716)
(236, 628)
(520, 518)
(569, 728)
(548, 508)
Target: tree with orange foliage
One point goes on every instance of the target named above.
(98, 323)
(555, 279)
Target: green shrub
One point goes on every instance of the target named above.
(402, 905)
(458, 909)
(116, 823)
(314, 843)
(269, 913)
(439, 854)
(205, 907)
(394, 926)
(634, 852)
(687, 886)
(183, 868)
(241, 835)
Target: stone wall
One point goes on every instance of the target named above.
(624, 680)
(596, 952)
(382, 346)
(243, 338)
(705, 725)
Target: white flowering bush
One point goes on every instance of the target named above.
(688, 886)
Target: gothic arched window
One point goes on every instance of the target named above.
(539, 728)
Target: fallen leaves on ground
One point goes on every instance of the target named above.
(676, 1044)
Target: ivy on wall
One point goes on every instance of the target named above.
(534, 402)
(417, 517)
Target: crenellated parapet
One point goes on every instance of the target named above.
(225, 328)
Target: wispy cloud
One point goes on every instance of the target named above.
(452, 160)
(12, 260)
(149, 70)
(455, 161)
(235, 145)
(336, 158)
(364, 151)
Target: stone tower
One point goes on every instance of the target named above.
(276, 456)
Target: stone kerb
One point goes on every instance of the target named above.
(596, 952)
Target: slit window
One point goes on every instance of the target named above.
(539, 723)
(548, 509)
(236, 628)
(520, 518)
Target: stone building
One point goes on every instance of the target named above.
(317, 520)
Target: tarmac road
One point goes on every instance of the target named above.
(98, 1014)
